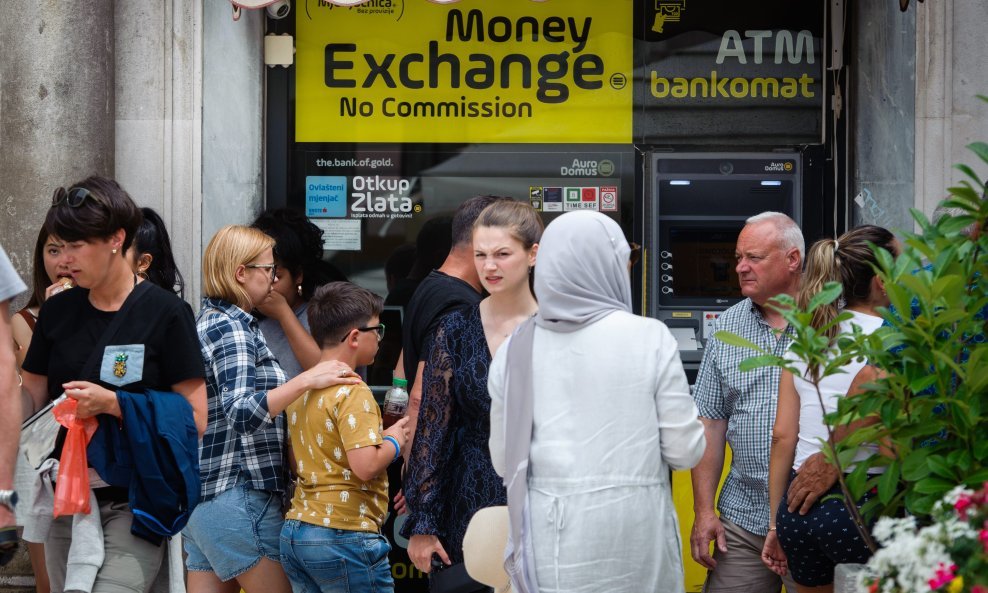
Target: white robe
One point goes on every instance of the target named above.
(612, 414)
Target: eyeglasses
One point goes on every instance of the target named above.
(636, 253)
(73, 197)
(272, 267)
(379, 328)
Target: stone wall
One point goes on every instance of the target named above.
(951, 69)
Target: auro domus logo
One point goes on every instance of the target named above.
(588, 168)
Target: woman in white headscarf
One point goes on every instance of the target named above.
(590, 409)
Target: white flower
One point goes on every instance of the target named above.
(366, 406)
(329, 425)
(910, 557)
(352, 421)
(346, 474)
(951, 498)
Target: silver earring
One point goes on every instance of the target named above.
(113, 251)
(299, 289)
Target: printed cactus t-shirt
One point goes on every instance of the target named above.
(323, 426)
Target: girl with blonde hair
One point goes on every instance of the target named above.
(232, 538)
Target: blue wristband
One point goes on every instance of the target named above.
(394, 442)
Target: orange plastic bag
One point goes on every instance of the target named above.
(72, 484)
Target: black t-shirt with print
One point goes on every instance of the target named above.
(436, 296)
(155, 348)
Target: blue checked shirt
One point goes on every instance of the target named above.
(747, 401)
(241, 436)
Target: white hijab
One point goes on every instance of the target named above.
(581, 276)
(582, 272)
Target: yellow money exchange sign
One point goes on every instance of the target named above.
(468, 72)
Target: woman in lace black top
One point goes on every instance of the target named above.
(450, 476)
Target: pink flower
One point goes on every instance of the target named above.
(961, 506)
(943, 576)
(983, 536)
(979, 589)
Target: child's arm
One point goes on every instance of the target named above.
(368, 462)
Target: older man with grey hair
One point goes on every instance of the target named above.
(739, 409)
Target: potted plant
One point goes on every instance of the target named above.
(930, 405)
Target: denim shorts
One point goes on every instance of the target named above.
(228, 535)
(327, 560)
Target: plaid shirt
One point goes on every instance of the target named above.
(241, 436)
(747, 401)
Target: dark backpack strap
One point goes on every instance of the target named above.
(29, 318)
(90, 372)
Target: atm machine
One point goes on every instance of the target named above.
(696, 205)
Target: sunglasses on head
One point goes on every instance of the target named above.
(73, 197)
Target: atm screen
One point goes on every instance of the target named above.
(703, 263)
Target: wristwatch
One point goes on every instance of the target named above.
(8, 498)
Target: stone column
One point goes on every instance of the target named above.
(56, 109)
(951, 68)
(232, 117)
(159, 119)
(882, 108)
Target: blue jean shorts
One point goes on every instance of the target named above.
(229, 534)
(326, 560)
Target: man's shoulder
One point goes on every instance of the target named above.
(737, 314)
(440, 291)
(437, 282)
(11, 284)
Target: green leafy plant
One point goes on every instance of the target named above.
(930, 406)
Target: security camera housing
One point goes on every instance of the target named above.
(280, 9)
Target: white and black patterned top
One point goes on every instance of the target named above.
(747, 400)
(241, 436)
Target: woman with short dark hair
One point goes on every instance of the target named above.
(144, 339)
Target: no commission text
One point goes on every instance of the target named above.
(393, 107)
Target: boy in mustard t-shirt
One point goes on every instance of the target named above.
(331, 539)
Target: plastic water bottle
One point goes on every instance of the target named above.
(395, 402)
